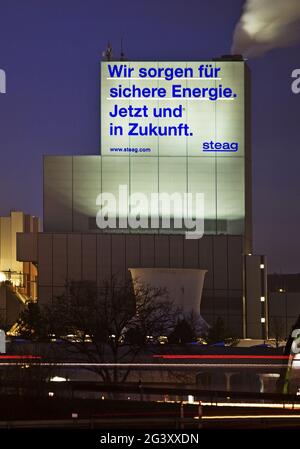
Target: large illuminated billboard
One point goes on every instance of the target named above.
(177, 127)
(172, 108)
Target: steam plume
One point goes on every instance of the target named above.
(266, 24)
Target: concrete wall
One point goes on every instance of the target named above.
(184, 285)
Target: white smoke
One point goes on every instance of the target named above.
(266, 24)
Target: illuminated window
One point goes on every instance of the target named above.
(262, 266)
(262, 320)
(262, 298)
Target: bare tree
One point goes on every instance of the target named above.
(110, 324)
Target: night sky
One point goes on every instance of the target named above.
(51, 49)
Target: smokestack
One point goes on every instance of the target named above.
(265, 25)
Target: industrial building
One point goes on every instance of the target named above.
(18, 279)
(72, 247)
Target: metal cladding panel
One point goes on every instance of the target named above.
(45, 259)
(235, 262)
(89, 257)
(74, 257)
(104, 258)
(220, 251)
(118, 256)
(60, 259)
(176, 251)
(27, 247)
(86, 188)
(58, 193)
(206, 260)
(147, 251)
(162, 251)
(190, 254)
(133, 253)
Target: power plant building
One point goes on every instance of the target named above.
(213, 159)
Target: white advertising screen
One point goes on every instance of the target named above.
(172, 108)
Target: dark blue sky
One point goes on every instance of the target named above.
(51, 49)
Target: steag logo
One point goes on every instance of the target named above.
(2, 82)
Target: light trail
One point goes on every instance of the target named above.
(249, 417)
(153, 365)
(18, 357)
(285, 406)
(220, 356)
(253, 405)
